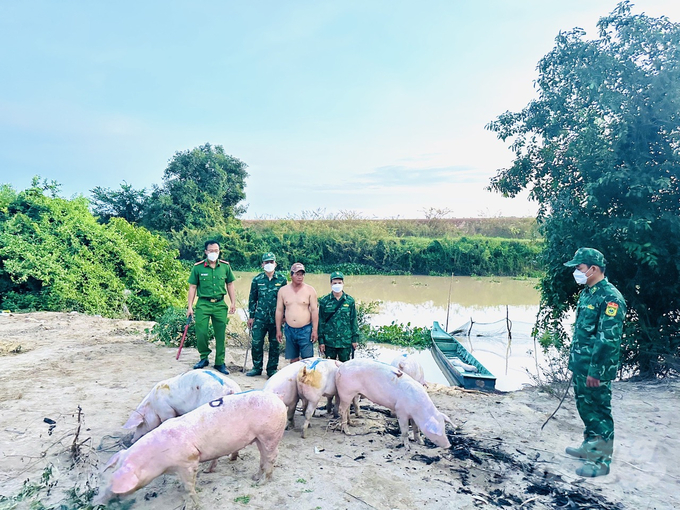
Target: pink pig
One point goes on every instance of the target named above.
(284, 384)
(390, 387)
(177, 396)
(316, 379)
(410, 365)
(218, 428)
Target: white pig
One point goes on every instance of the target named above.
(410, 365)
(316, 380)
(177, 396)
(284, 384)
(218, 428)
(390, 387)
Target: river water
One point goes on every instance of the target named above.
(421, 300)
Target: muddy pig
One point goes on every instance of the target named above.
(218, 428)
(410, 365)
(316, 380)
(177, 396)
(390, 387)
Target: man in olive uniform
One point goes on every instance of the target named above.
(210, 279)
(338, 327)
(261, 312)
(594, 359)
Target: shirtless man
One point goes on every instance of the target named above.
(298, 303)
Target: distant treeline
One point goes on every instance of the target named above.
(482, 247)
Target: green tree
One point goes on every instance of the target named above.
(600, 151)
(127, 203)
(201, 187)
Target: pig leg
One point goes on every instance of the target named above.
(269, 450)
(357, 411)
(403, 426)
(188, 476)
(343, 409)
(416, 432)
(329, 406)
(309, 412)
(291, 417)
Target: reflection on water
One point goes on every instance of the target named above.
(421, 300)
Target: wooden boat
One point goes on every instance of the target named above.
(458, 365)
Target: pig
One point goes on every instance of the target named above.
(390, 387)
(316, 380)
(221, 427)
(410, 365)
(177, 396)
(284, 384)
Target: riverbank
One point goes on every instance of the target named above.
(52, 364)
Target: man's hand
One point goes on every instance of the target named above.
(591, 382)
(279, 336)
(250, 323)
(232, 308)
(315, 336)
(355, 345)
(190, 311)
(322, 348)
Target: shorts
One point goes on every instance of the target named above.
(298, 341)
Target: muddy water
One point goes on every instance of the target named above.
(421, 300)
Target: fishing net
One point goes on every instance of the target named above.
(501, 327)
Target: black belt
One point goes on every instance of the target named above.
(213, 300)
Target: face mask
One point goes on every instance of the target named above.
(212, 256)
(269, 267)
(580, 277)
(337, 287)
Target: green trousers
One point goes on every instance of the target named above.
(594, 406)
(260, 329)
(341, 354)
(204, 312)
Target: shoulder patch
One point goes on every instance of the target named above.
(224, 262)
(612, 309)
(199, 262)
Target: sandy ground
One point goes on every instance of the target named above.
(53, 363)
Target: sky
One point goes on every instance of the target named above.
(377, 107)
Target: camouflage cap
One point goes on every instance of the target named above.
(337, 275)
(268, 256)
(588, 256)
(298, 266)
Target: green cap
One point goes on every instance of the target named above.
(588, 256)
(337, 274)
(268, 256)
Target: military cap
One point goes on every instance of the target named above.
(268, 256)
(588, 256)
(337, 275)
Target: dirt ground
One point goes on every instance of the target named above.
(52, 364)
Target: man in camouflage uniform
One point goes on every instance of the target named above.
(338, 327)
(261, 312)
(210, 279)
(594, 359)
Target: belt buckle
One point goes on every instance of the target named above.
(213, 300)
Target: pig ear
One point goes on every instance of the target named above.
(446, 418)
(124, 480)
(134, 421)
(113, 460)
(433, 427)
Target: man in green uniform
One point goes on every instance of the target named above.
(261, 312)
(594, 359)
(210, 279)
(338, 327)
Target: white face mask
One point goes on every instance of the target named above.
(580, 277)
(337, 287)
(269, 267)
(212, 256)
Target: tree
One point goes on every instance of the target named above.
(202, 187)
(599, 149)
(128, 203)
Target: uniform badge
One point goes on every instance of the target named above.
(612, 309)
